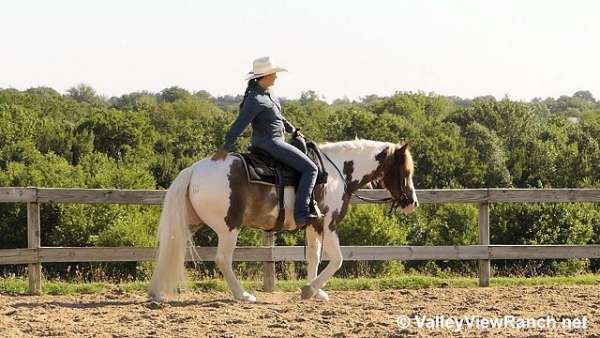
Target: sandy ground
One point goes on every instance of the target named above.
(348, 314)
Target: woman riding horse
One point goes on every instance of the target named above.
(216, 193)
(263, 110)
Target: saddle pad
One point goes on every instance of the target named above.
(261, 167)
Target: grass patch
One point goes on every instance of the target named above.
(588, 279)
(13, 285)
(65, 288)
(19, 285)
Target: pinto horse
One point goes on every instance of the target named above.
(218, 194)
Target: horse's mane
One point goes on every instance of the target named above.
(408, 163)
(361, 144)
(356, 144)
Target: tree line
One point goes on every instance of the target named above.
(141, 140)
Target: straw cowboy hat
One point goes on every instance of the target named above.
(261, 67)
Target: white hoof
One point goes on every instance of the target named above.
(322, 295)
(246, 297)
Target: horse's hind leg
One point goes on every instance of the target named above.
(224, 259)
(313, 251)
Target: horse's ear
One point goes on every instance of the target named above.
(400, 152)
(403, 148)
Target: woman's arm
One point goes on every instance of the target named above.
(248, 112)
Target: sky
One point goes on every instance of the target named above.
(338, 48)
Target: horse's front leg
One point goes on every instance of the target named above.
(224, 259)
(313, 251)
(331, 246)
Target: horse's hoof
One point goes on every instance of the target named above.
(322, 295)
(246, 297)
(155, 305)
(156, 298)
(307, 292)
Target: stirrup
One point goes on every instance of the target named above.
(312, 219)
(315, 208)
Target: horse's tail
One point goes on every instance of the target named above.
(173, 237)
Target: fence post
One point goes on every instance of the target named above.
(484, 239)
(33, 242)
(269, 266)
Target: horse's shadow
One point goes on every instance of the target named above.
(214, 303)
(73, 305)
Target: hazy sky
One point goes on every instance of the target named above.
(521, 48)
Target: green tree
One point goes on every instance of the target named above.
(84, 93)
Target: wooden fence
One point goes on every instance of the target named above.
(35, 254)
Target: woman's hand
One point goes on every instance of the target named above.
(220, 155)
(297, 133)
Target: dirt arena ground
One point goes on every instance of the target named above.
(348, 314)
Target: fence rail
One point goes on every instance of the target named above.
(296, 253)
(36, 254)
(427, 196)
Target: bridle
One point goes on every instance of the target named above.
(395, 203)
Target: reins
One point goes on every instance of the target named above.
(394, 203)
(362, 198)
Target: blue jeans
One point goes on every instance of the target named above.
(296, 159)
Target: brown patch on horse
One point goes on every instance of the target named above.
(378, 172)
(262, 200)
(249, 203)
(335, 218)
(351, 185)
(238, 186)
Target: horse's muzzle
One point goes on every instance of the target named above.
(410, 208)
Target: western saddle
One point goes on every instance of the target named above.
(262, 168)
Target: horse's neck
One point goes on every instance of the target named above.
(357, 160)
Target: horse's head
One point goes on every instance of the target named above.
(397, 177)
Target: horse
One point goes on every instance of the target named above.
(218, 194)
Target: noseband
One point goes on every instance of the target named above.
(403, 199)
(395, 202)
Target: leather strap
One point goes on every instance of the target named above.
(279, 187)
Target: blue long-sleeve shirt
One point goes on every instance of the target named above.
(263, 111)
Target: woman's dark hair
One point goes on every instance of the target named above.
(251, 84)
